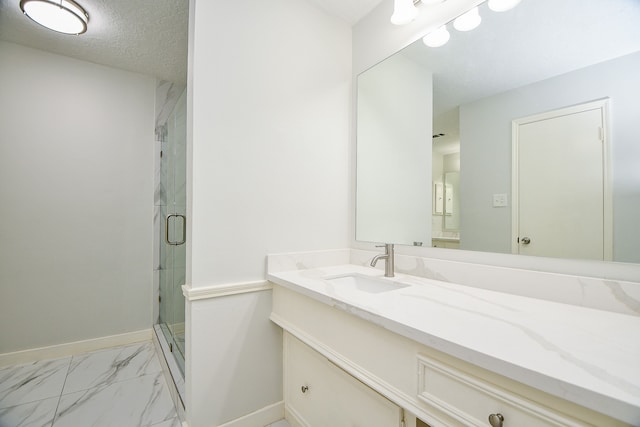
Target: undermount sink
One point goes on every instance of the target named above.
(372, 285)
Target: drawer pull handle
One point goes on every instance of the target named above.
(304, 388)
(496, 420)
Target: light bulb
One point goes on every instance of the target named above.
(404, 11)
(468, 21)
(63, 16)
(502, 5)
(437, 37)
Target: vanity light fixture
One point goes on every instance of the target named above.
(465, 22)
(404, 11)
(502, 5)
(437, 37)
(468, 21)
(63, 16)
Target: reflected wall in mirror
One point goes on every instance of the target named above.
(542, 56)
(393, 195)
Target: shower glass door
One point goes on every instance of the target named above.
(173, 231)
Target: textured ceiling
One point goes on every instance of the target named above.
(537, 40)
(144, 36)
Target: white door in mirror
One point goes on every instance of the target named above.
(561, 184)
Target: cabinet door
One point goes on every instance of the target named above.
(319, 394)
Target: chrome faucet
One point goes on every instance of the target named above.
(388, 256)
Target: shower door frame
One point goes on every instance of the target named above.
(173, 233)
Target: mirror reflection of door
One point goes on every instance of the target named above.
(445, 226)
(561, 202)
(452, 201)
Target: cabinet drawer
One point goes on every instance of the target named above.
(471, 400)
(319, 394)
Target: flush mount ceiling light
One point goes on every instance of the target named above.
(502, 5)
(404, 11)
(468, 21)
(63, 16)
(437, 37)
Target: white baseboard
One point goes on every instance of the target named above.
(294, 418)
(73, 348)
(262, 417)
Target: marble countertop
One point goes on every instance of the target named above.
(587, 356)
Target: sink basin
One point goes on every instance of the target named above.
(359, 282)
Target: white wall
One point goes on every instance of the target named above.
(234, 358)
(270, 116)
(269, 104)
(485, 139)
(76, 186)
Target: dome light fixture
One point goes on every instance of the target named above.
(404, 11)
(502, 5)
(437, 38)
(63, 16)
(468, 21)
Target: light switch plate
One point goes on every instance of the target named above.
(500, 200)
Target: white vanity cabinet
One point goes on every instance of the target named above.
(318, 393)
(354, 369)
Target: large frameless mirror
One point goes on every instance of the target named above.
(519, 136)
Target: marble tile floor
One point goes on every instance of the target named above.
(120, 386)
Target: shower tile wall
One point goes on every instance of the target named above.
(167, 95)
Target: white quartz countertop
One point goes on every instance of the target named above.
(587, 356)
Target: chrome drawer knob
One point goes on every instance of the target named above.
(496, 420)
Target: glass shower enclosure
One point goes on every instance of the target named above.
(173, 232)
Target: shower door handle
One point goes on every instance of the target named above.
(184, 230)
